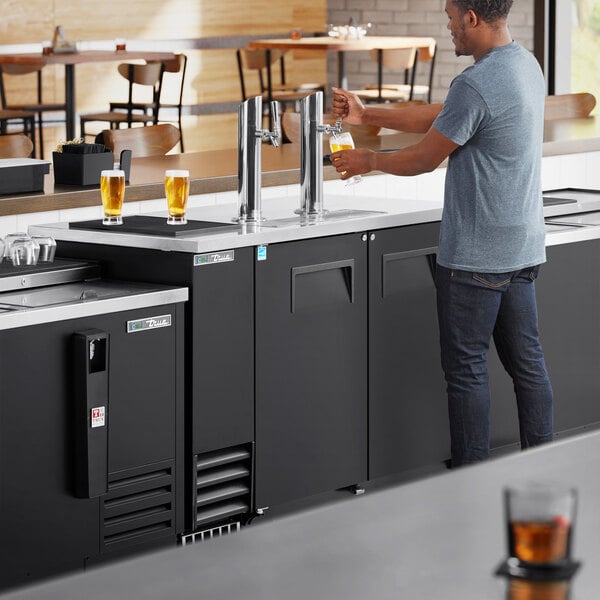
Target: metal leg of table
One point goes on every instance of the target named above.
(70, 101)
(342, 77)
(269, 87)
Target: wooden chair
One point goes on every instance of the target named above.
(139, 77)
(22, 119)
(399, 60)
(569, 106)
(38, 106)
(172, 79)
(16, 145)
(283, 91)
(152, 140)
(425, 56)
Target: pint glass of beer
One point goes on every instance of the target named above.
(344, 141)
(177, 189)
(112, 189)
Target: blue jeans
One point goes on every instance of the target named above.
(473, 307)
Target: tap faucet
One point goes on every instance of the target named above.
(250, 137)
(311, 153)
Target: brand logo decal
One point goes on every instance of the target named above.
(210, 258)
(149, 323)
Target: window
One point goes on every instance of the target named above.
(577, 47)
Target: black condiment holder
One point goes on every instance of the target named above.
(82, 164)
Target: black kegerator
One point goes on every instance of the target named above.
(91, 418)
(219, 372)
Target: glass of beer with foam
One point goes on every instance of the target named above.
(344, 141)
(112, 190)
(177, 189)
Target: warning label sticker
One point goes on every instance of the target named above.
(98, 416)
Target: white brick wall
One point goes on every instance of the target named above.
(415, 17)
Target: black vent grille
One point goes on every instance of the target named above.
(223, 487)
(139, 506)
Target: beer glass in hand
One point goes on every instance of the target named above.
(112, 189)
(177, 189)
(344, 141)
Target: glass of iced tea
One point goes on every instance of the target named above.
(523, 589)
(344, 141)
(112, 190)
(177, 189)
(539, 520)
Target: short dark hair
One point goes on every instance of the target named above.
(488, 10)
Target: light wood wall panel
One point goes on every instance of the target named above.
(23, 21)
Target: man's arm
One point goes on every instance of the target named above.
(411, 119)
(422, 157)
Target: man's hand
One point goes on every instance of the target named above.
(353, 162)
(347, 106)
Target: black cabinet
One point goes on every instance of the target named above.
(48, 528)
(408, 417)
(568, 294)
(219, 357)
(311, 377)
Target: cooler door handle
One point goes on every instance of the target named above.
(327, 281)
(388, 260)
(91, 352)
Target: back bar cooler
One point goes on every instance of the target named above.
(91, 418)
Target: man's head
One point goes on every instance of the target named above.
(489, 11)
(473, 23)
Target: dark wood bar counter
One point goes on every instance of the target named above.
(216, 171)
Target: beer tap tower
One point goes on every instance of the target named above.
(311, 154)
(250, 137)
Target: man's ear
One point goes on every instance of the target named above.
(471, 18)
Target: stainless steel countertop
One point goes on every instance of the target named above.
(22, 309)
(440, 537)
(345, 215)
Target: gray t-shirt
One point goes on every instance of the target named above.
(493, 212)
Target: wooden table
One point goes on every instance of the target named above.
(69, 60)
(369, 42)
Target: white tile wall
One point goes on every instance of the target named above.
(24, 221)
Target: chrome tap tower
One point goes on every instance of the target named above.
(311, 154)
(250, 137)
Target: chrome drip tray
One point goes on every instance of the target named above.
(589, 219)
(4, 309)
(558, 227)
(68, 293)
(327, 216)
(347, 213)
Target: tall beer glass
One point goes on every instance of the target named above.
(177, 189)
(112, 189)
(344, 141)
